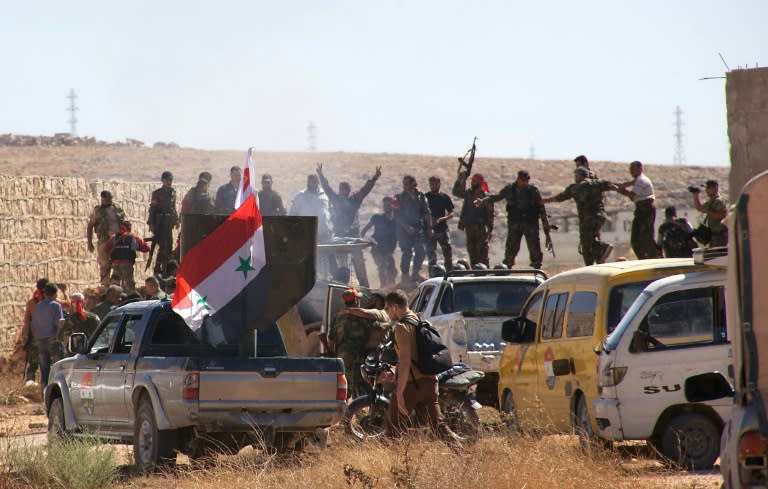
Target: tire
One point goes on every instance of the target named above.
(57, 430)
(152, 448)
(366, 420)
(508, 413)
(691, 441)
(582, 426)
(461, 418)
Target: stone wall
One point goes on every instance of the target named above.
(42, 234)
(747, 101)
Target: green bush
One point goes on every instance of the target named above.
(76, 463)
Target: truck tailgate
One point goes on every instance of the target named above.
(269, 384)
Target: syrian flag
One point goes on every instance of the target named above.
(221, 283)
(247, 185)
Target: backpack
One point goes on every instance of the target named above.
(432, 356)
(677, 238)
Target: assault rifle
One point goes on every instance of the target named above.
(468, 159)
(548, 239)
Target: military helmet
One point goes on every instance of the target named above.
(437, 271)
(480, 266)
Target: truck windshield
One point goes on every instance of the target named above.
(480, 298)
(612, 341)
(620, 299)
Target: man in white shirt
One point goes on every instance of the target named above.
(641, 193)
(312, 201)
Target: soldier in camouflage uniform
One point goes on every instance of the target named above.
(714, 210)
(105, 220)
(588, 194)
(525, 208)
(270, 202)
(78, 321)
(347, 339)
(162, 219)
(414, 227)
(582, 162)
(198, 199)
(476, 222)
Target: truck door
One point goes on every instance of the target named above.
(112, 379)
(84, 382)
(683, 334)
(555, 406)
(523, 372)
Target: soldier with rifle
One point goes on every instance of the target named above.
(476, 222)
(525, 208)
(162, 219)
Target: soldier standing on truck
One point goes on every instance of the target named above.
(582, 162)
(227, 193)
(414, 227)
(270, 202)
(198, 200)
(312, 201)
(122, 249)
(385, 236)
(643, 222)
(105, 220)
(588, 194)
(441, 208)
(476, 222)
(162, 219)
(345, 205)
(525, 208)
(347, 339)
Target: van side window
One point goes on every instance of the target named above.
(531, 316)
(554, 310)
(581, 314)
(684, 318)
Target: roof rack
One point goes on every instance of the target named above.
(704, 255)
(497, 271)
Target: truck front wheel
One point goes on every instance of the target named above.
(691, 440)
(152, 448)
(56, 428)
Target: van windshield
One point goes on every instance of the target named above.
(619, 301)
(612, 341)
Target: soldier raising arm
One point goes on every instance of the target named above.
(476, 222)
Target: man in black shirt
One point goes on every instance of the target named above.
(385, 235)
(414, 228)
(441, 208)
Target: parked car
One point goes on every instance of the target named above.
(547, 375)
(671, 344)
(468, 308)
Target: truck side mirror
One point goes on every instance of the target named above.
(707, 387)
(78, 343)
(512, 330)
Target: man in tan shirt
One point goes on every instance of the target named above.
(413, 389)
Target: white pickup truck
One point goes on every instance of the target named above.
(670, 348)
(468, 308)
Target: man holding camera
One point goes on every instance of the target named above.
(714, 210)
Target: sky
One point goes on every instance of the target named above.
(549, 79)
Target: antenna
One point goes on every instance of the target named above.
(679, 158)
(311, 137)
(72, 109)
(727, 68)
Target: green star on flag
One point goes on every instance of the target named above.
(203, 301)
(245, 266)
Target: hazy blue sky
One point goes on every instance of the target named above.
(600, 78)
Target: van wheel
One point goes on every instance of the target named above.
(152, 448)
(692, 441)
(508, 413)
(581, 422)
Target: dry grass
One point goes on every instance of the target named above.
(497, 461)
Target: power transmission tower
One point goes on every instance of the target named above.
(72, 109)
(679, 158)
(312, 137)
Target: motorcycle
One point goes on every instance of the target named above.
(366, 414)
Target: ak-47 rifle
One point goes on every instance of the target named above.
(153, 240)
(548, 241)
(468, 159)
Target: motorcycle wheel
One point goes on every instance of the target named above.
(366, 420)
(461, 418)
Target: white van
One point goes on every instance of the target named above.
(656, 366)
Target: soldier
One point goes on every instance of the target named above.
(152, 289)
(270, 202)
(312, 201)
(25, 347)
(384, 235)
(79, 320)
(714, 210)
(674, 236)
(476, 222)
(582, 162)
(441, 209)
(525, 208)
(413, 222)
(588, 194)
(162, 219)
(198, 200)
(347, 338)
(346, 204)
(381, 326)
(122, 249)
(643, 222)
(112, 298)
(105, 220)
(227, 193)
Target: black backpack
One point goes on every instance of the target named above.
(432, 356)
(677, 238)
